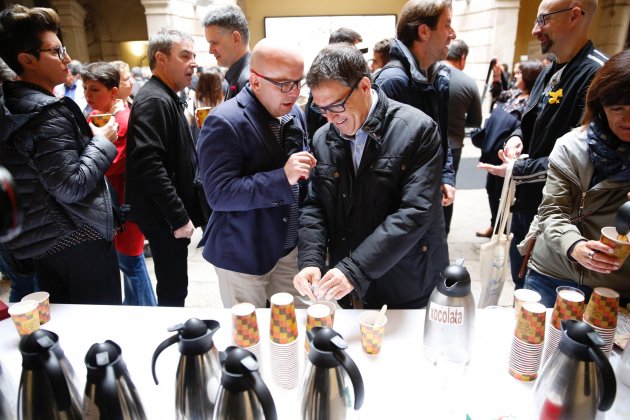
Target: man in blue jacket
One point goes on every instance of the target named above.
(252, 155)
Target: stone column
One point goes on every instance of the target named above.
(610, 32)
(72, 16)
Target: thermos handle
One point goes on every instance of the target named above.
(606, 377)
(164, 344)
(57, 378)
(355, 376)
(263, 394)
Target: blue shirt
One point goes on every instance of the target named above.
(358, 143)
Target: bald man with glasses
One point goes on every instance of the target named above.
(254, 161)
(555, 107)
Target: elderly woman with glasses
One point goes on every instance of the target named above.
(588, 180)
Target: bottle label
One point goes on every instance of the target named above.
(447, 315)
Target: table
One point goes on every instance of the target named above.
(399, 382)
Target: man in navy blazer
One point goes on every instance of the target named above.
(253, 157)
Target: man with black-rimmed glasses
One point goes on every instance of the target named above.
(253, 155)
(555, 107)
(369, 229)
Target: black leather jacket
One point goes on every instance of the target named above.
(59, 168)
(383, 227)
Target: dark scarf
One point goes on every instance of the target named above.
(610, 156)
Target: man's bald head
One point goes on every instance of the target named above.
(272, 64)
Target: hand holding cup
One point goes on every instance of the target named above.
(299, 166)
(108, 129)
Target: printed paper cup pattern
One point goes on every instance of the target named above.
(244, 325)
(524, 295)
(602, 308)
(100, 120)
(25, 316)
(371, 335)
(621, 249)
(283, 326)
(43, 305)
(202, 113)
(569, 305)
(530, 323)
(317, 315)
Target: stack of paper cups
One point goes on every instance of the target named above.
(601, 314)
(569, 305)
(317, 315)
(245, 332)
(528, 341)
(283, 334)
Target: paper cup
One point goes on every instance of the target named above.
(317, 315)
(332, 306)
(621, 249)
(371, 335)
(283, 326)
(569, 305)
(43, 305)
(25, 316)
(244, 325)
(530, 323)
(201, 113)
(100, 120)
(524, 295)
(602, 308)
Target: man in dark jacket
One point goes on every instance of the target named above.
(555, 106)
(58, 162)
(227, 32)
(162, 187)
(415, 76)
(373, 206)
(252, 154)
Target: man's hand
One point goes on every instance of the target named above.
(299, 166)
(498, 170)
(513, 147)
(185, 231)
(305, 280)
(595, 256)
(109, 130)
(334, 285)
(448, 195)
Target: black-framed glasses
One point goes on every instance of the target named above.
(60, 51)
(541, 19)
(338, 107)
(285, 87)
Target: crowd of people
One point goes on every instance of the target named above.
(348, 199)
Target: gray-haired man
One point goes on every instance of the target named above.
(227, 32)
(374, 195)
(162, 187)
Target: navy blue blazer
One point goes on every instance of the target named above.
(241, 165)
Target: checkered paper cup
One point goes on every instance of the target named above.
(100, 120)
(25, 316)
(530, 323)
(569, 305)
(201, 113)
(602, 308)
(244, 325)
(371, 333)
(525, 358)
(621, 249)
(524, 295)
(317, 315)
(608, 336)
(43, 305)
(283, 326)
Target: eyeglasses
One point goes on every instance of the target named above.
(541, 19)
(60, 51)
(336, 108)
(285, 87)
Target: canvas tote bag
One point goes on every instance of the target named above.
(494, 258)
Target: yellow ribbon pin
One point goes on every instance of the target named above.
(554, 97)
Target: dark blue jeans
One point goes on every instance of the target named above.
(546, 286)
(519, 228)
(22, 283)
(138, 287)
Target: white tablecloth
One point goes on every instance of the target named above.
(399, 382)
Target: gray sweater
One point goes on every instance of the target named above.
(464, 107)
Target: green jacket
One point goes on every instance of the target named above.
(565, 196)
